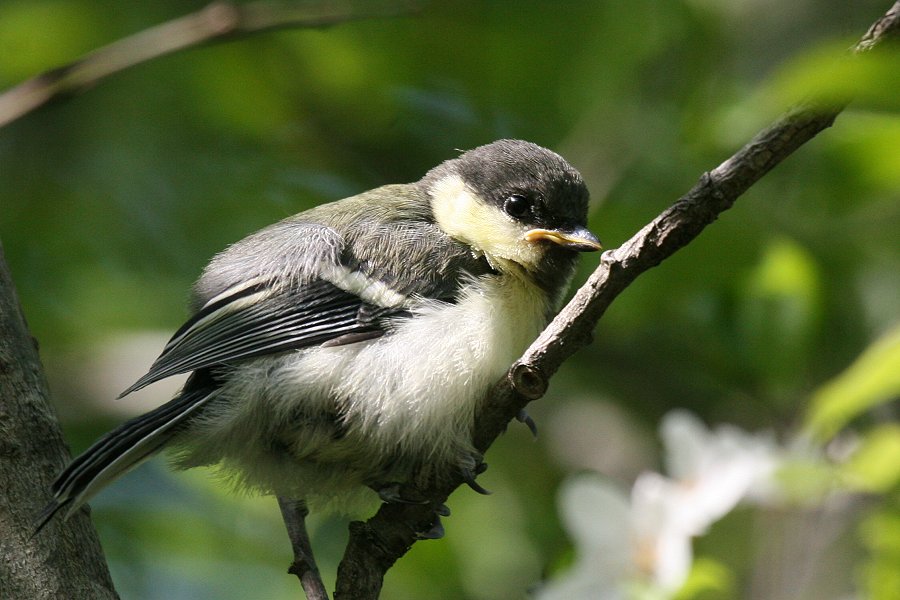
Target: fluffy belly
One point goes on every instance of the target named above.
(320, 421)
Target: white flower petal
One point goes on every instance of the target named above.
(594, 512)
(685, 440)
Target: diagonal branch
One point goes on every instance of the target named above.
(219, 21)
(375, 545)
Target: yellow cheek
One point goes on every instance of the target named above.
(487, 229)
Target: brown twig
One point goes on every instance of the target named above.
(219, 21)
(294, 513)
(375, 545)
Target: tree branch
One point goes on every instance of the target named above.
(375, 545)
(219, 21)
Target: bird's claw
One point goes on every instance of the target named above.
(469, 473)
(391, 494)
(524, 417)
(435, 532)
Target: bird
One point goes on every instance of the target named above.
(341, 354)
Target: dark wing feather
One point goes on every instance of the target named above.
(261, 319)
(125, 447)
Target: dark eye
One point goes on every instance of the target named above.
(517, 206)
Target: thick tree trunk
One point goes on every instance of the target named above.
(65, 559)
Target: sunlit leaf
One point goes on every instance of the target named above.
(708, 579)
(875, 466)
(881, 535)
(830, 74)
(869, 142)
(874, 378)
(786, 270)
(779, 309)
(803, 482)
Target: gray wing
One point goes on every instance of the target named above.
(261, 318)
(301, 283)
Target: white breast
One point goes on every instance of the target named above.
(418, 387)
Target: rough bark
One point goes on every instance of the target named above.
(64, 560)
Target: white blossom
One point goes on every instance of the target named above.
(640, 545)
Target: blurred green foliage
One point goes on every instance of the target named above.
(708, 579)
(112, 201)
(873, 379)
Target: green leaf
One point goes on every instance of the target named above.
(873, 379)
(708, 579)
(779, 309)
(830, 74)
(881, 535)
(868, 142)
(875, 467)
(805, 481)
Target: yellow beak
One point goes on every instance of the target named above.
(579, 239)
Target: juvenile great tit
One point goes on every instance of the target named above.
(346, 349)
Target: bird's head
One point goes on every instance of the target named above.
(520, 205)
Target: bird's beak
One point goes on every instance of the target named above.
(579, 238)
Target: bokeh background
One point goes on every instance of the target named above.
(111, 202)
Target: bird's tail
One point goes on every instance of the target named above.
(119, 451)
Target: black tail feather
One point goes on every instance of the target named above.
(122, 449)
(49, 511)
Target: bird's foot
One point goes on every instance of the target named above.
(392, 494)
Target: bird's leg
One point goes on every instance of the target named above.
(304, 566)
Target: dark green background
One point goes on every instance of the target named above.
(111, 202)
